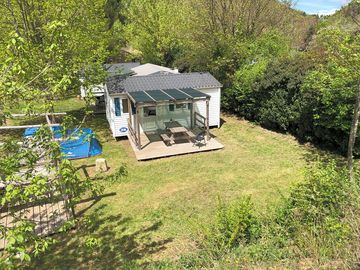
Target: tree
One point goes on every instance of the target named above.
(25, 187)
(355, 121)
(49, 37)
(46, 48)
(343, 51)
(155, 28)
(251, 85)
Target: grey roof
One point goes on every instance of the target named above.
(120, 68)
(120, 84)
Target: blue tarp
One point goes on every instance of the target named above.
(81, 143)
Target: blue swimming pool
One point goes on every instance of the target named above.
(80, 143)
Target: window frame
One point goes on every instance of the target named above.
(125, 108)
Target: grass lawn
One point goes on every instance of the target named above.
(155, 212)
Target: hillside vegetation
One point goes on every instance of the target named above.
(280, 68)
(249, 206)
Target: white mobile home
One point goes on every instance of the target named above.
(149, 69)
(124, 69)
(145, 104)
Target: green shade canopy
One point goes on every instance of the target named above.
(141, 96)
(167, 95)
(177, 94)
(194, 93)
(158, 95)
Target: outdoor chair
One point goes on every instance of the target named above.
(199, 138)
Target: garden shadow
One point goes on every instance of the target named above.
(222, 122)
(114, 248)
(89, 171)
(316, 154)
(88, 203)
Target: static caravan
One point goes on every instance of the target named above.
(148, 102)
(124, 69)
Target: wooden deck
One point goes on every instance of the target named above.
(48, 218)
(153, 147)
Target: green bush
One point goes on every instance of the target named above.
(328, 99)
(313, 217)
(269, 92)
(234, 224)
(276, 112)
(322, 194)
(310, 94)
(317, 223)
(279, 92)
(241, 98)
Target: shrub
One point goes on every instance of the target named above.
(242, 97)
(318, 223)
(270, 92)
(313, 215)
(276, 113)
(234, 224)
(119, 175)
(328, 98)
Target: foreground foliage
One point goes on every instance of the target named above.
(316, 223)
(41, 62)
(26, 183)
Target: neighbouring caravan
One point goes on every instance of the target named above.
(125, 69)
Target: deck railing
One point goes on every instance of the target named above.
(199, 120)
(132, 133)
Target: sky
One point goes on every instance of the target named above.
(321, 7)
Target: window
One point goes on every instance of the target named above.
(117, 106)
(171, 107)
(181, 106)
(133, 108)
(149, 111)
(125, 105)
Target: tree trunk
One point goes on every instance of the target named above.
(353, 132)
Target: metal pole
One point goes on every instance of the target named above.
(207, 120)
(138, 126)
(130, 111)
(192, 115)
(26, 126)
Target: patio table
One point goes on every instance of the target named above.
(179, 133)
(176, 130)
